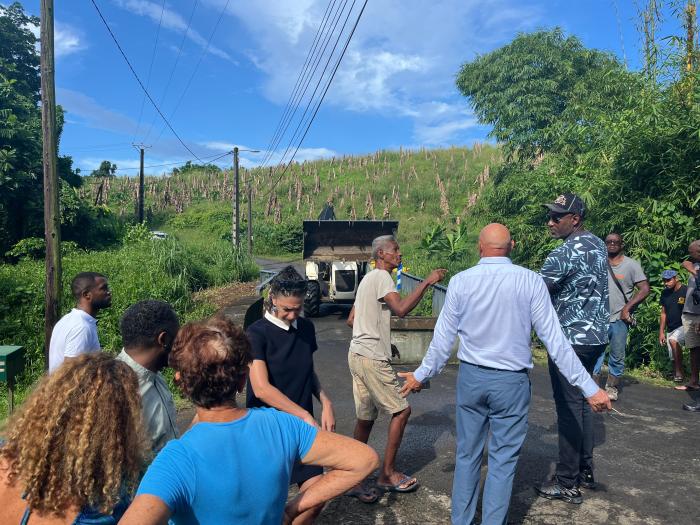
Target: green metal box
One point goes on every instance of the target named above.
(11, 362)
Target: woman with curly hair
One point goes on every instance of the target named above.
(75, 448)
(282, 374)
(234, 464)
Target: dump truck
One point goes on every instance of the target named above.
(336, 255)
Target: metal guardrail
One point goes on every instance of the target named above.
(409, 283)
(265, 277)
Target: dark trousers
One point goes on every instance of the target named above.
(574, 419)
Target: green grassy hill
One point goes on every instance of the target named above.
(422, 189)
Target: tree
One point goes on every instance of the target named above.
(532, 89)
(21, 181)
(106, 169)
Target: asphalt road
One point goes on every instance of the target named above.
(647, 460)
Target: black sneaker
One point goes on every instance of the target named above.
(586, 479)
(553, 490)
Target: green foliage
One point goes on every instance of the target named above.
(634, 159)
(106, 169)
(21, 193)
(539, 84)
(31, 247)
(189, 167)
(137, 233)
(141, 269)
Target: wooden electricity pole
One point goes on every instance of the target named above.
(139, 207)
(250, 219)
(236, 201)
(52, 218)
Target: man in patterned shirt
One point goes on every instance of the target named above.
(576, 274)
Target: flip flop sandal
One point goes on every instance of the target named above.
(687, 388)
(367, 496)
(398, 488)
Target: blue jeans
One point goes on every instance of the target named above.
(617, 333)
(488, 399)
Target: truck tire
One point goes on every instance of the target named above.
(312, 299)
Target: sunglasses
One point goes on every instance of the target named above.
(556, 219)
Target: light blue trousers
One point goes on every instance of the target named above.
(617, 334)
(488, 399)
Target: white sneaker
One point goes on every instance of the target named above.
(612, 392)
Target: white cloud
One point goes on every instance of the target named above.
(403, 57)
(92, 113)
(173, 21)
(67, 40)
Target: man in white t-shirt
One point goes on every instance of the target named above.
(76, 332)
(375, 384)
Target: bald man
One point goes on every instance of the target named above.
(492, 308)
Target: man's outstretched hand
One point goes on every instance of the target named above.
(599, 401)
(436, 276)
(410, 385)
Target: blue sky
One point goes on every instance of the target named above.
(395, 86)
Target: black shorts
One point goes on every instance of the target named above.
(302, 473)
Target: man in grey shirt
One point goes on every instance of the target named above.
(148, 329)
(691, 318)
(624, 275)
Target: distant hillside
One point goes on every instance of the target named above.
(422, 189)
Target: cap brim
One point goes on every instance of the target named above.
(556, 208)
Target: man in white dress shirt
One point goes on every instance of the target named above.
(492, 308)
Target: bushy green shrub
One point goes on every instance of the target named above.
(141, 269)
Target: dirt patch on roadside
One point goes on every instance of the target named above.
(223, 296)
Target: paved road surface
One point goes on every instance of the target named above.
(647, 462)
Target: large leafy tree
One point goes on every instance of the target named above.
(21, 181)
(106, 169)
(531, 90)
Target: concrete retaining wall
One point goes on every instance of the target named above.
(412, 336)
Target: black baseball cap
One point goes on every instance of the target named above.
(567, 203)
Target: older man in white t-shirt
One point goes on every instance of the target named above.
(375, 384)
(76, 332)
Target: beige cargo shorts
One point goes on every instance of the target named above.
(375, 386)
(691, 326)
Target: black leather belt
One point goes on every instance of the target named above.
(521, 371)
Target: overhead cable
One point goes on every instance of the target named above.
(109, 29)
(323, 96)
(302, 74)
(196, 67)
(150, 70)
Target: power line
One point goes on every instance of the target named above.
(172, 70)
(150, 69)
(196, 67)
(337, 65)
(98, 147)
(302, 74)
(208, 160)
(320, 78)
(109, 29)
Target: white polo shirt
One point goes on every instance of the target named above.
(73, 335)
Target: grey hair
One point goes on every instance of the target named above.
(380, 242)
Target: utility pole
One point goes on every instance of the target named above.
(250, 219)
(52, 218)
(139, 213)
(236, 201)
(235, 233)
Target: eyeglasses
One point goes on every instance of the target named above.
(557, 218)
(615, 243)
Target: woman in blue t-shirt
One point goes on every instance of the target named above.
(234, 464)
(282, 372)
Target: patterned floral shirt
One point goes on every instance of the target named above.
(577, 276)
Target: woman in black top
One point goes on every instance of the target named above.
(282, 372)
